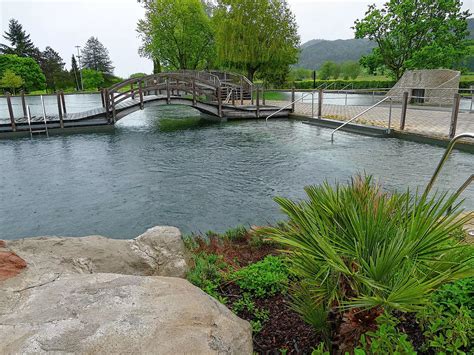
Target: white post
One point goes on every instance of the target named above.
(312, 104)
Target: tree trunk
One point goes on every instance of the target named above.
(156, 66)
(251, 73)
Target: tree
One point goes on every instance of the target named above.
(95, 56)
(27, 68)
(11, 81)
(177, 34)
(52, 66)
(329, 70)
(350, 69)
(20, 42)
(75, 73)
(255, 35)
(422, 34)
(92, 79)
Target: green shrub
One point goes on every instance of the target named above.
(385, 340)
(264, 278)
(447, 321)
(207, 273)
(357, 249)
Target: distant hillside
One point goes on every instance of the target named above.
(315, 52)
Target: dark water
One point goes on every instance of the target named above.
(193, 176)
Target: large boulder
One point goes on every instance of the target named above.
(109, 313)
(160, 251)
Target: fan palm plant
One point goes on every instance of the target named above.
(357, 251)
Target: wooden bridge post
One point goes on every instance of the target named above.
(219, 101)
(241, 91)
(293, 99)
(63, 101)
(258, 102)
(194, 92)
(454, 115)
(140, 93)
(320, 103)
(23, 103)
(112, 101)
(102, 98)
(107, 105)
(263, 96)
(168, 98)
(60, 111)
(10, 111)
(132, 91)
(403, 116)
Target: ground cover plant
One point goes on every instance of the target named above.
(354, 270)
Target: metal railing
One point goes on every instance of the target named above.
(443, 160)
(364, 112)
(290, 104)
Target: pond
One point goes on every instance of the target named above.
(163, 166)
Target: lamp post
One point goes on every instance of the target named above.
(80, 66)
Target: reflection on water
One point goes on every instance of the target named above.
(151, 171)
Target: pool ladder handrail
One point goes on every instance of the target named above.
(362, 113)
(290, 104)
(443, 160)
(45, 130)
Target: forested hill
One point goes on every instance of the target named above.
(470, 25)
(315, 52)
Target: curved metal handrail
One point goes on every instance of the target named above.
(285, 107)
(443, 160)
(358, 115)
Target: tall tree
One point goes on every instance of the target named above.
(95, 56)
(20, 42)
(75, 73)
(416, 34)
(52, 66)
(177, 34)
(11, 81)
(256, 35)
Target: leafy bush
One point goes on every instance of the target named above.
(246, 304)
(207, 273)
(358, 251)
(385, 340)
(264, 278)
(447, 322)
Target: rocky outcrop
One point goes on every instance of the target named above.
(160, 251)
(98, 295)
(10, 264)
(109, 313)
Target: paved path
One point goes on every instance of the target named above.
(428, 121)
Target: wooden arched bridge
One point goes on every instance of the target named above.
(217, 95)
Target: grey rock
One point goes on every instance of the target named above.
(109, 313)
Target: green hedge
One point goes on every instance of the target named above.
(466, 84)
(339, 84)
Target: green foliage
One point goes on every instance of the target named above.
(350, 70)
(299, 74)
(27, 68)
(52, 66)
(385, 340)
(390, 250)
(246, 304)
(177, 33)
(92, 79)
(329, 70)
(207, 273)
(447, 321)
(411, 34)
(319, 350)
(11, 81)
(264, 278)
(75, 75)
(96, 57)
(256, 36)
(20, 42)
(137, 75)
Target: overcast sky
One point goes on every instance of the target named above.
(63, 24)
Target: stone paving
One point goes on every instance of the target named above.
(426, 121)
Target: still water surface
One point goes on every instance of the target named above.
(199, 177)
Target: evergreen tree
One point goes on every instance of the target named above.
(96, 57)
(75, 73)
(20, 42)
(52, 66)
